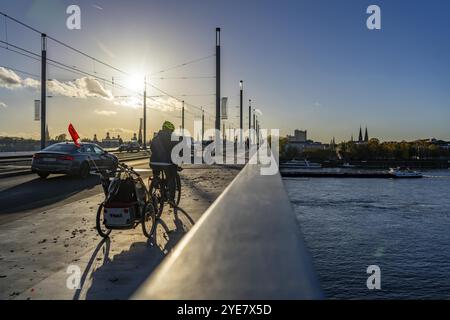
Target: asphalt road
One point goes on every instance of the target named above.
(57, 231)
(23, 195)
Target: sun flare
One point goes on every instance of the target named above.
(135, 82)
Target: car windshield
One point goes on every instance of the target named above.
(61, 148)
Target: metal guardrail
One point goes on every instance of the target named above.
(27, 157)
(13, 166)
(29, 154)
(247, 245)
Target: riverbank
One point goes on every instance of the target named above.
(386, 164)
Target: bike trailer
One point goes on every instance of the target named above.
(122, 211)
(120, 215)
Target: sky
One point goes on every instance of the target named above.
(305, 64)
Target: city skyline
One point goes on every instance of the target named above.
(316, 66)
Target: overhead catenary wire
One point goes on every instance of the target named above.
(63, 44)
(60, 65)
(138, 93)
(77, 70)
(102, 62)
(6, 29)
(183, 78)
(20, 22)
(20, 71)
(19, 48)
(182, 64)
(21, 53)
(173, 96)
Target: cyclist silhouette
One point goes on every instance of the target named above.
(160, 159)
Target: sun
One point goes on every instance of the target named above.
(135, 82)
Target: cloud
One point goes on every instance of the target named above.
(317, 104)
(105, 112)
(166, 104)
(68, 89)
(131, 102)
(3, 105)
(93, 87)
(31, 83)
(9, 79)
(78, 88)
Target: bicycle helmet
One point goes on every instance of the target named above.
(168, 126)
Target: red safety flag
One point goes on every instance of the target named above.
(74, 135)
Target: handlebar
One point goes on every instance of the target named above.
(121, 167)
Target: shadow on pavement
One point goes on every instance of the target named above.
(124, 273)
(38, 192)
(105, 245)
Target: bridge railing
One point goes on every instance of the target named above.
(247, 245)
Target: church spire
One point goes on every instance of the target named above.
(366, 136)
(360, 138)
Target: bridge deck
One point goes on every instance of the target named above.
(42, 240)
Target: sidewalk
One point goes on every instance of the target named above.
(38, 249)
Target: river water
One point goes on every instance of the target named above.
(402, 226)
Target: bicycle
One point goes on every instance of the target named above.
(159, 191)
(118, 211)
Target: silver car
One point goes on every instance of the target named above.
(67, 158)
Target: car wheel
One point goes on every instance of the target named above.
(43, 175)
(84, 170)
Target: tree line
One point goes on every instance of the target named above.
(373, 150)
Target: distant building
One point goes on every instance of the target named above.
(47, 134)
(300, 141)
(299, 136)
(109, 142)
(14, 144)
(444, 145)
(333, 144)
(362, 139)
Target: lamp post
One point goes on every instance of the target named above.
(218, 79)
(182, 119)
(203, 124)
(249, 118)
(43, 89)
(241, 111)
(145, 115)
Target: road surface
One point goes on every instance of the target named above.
(47, 229)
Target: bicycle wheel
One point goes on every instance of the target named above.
(178, 189)
(100, 223)
(148, 220)
(157, 196)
